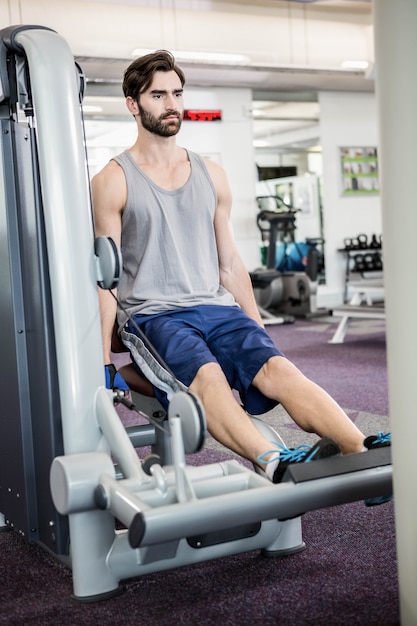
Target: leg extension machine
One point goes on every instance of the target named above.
(59, 431)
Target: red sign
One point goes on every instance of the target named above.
(202, 115)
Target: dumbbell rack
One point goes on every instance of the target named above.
(364, 278)
(364, 270)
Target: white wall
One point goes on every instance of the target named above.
(277, 158)
(346, 120)
(230, 142)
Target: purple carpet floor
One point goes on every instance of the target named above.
(346, 576)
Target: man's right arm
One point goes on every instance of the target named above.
(109, 197)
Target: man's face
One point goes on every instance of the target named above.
(161, 106)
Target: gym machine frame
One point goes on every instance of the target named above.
(59, 430)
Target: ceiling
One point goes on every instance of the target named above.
(292, 50)
(285, 94)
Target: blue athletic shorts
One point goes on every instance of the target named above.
(188, 338)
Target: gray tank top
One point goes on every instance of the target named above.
(168, 243)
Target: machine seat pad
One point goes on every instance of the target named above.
(137, 382)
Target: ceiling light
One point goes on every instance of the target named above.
(355, 65)
(315, 149)
(92, 108)
(261, 143)
(200, 57)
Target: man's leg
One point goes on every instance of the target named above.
(173, 337)
(226, 419)
(308, 404)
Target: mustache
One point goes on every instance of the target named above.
(170, 114)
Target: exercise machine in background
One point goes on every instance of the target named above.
(287, 286)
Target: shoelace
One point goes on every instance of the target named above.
(383, 438)
(282, 453)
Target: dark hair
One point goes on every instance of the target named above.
(139, 75)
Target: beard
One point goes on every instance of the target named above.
(157, 126)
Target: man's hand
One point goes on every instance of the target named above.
(114, 380)
(118, 385)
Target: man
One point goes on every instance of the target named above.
(186, 286)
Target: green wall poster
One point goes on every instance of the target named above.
(359, 171)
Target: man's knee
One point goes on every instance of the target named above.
(208, 375)
(277, 372)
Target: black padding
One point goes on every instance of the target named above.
(337, 465)
(107, 253)
(100, 497)
(137, 530)
(148, 461)
(223, 536)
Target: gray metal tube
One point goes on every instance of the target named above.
(115, 434)
(396, 89)
(263, 503)
(69, 233)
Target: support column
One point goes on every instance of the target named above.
(396, 91)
